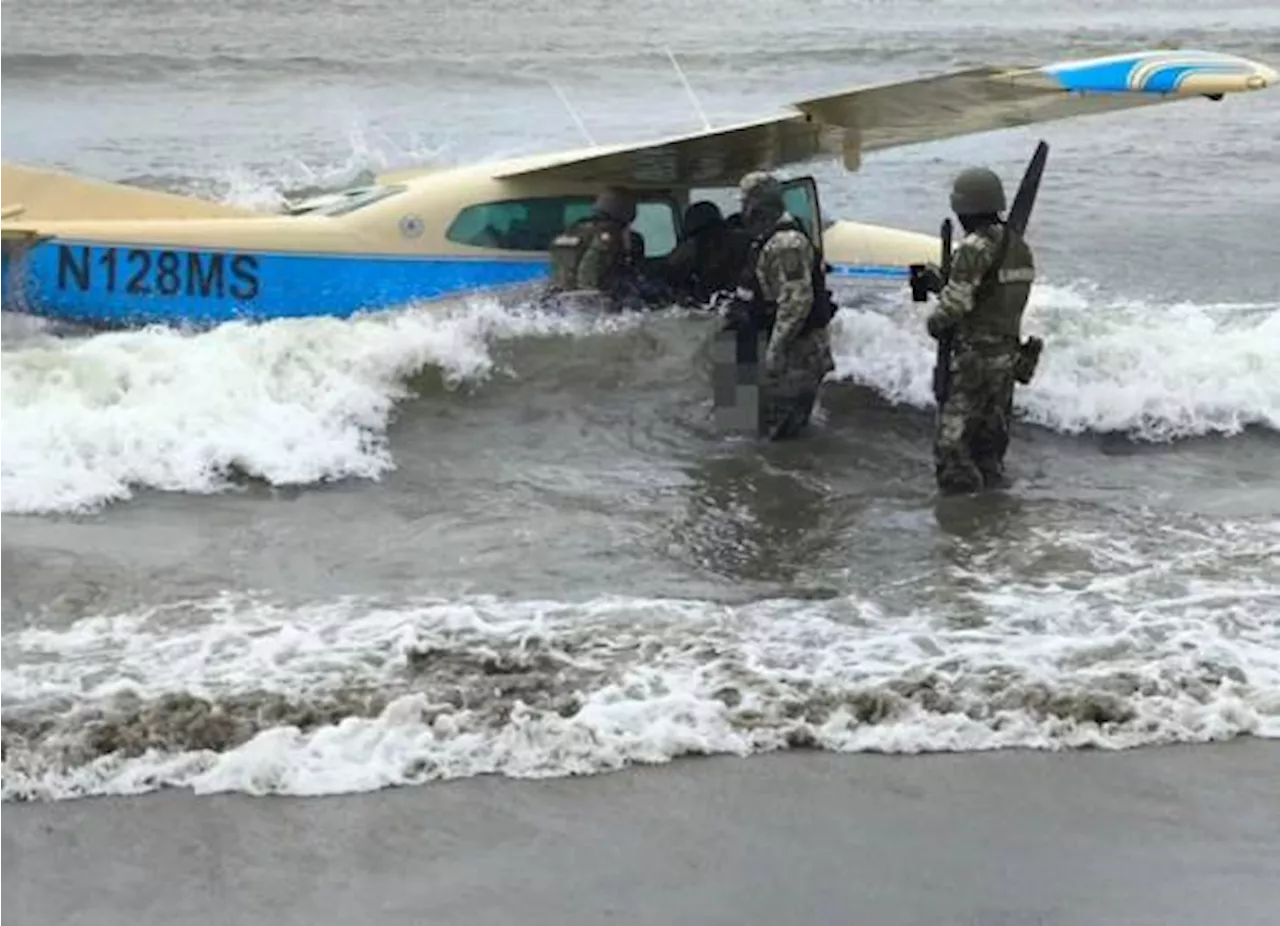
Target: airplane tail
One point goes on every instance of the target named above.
(34, 195)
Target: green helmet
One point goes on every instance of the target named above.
(617, 204)
(761, 197)
(977, 191)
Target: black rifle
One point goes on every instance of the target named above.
(1019, 215)
(942, 361)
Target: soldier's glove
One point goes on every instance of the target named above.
(938, 325)
(930, 277)
(772, 362)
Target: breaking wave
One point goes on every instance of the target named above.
(303, 401)
(289, 401)
(238, 694)
(1153, 372)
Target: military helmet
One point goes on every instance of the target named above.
(761, 197)
(977, 191)
(617, 204)
(701, 215)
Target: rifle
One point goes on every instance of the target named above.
(1019, 215)
(942, 360)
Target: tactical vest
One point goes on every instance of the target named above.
(1001, 296)
(568, 248)
(763, 311)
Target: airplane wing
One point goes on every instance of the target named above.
(851, 123)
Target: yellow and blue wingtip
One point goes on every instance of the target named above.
(1179, 72)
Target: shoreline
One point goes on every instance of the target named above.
(1169, 835)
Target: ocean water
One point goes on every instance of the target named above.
(317, 556)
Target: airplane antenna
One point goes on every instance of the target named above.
(572, 112)
(706, 123)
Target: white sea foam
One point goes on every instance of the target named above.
(299, 401)
(1156, 372)
(290, 401)
(370, 152)
(1105, 654)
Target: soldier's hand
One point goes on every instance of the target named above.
(931, 278)
(772, 363)
(938, 324)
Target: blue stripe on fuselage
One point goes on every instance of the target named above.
(870, 271)
(119, 286)
(126, 286)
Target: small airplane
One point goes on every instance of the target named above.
(108, 255)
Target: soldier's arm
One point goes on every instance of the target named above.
(785, 273)
(971, 261)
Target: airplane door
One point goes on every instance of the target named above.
(800, 196)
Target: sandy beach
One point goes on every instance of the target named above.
(1155, 836)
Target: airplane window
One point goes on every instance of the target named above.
(518, 224)
(656, 223)
(531, 224)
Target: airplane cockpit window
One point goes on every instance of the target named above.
(518, 224)
(531, 224)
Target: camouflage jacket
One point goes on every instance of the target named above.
(606, 258)
(985, 301)
(784, 271)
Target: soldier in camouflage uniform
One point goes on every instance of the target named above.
(981, 306)
(784, 286)
(599, 253)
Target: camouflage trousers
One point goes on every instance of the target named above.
(787, 397)
(973, 423)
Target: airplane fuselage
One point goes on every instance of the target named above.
(440, 236)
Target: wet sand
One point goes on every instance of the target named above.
(1160, 836)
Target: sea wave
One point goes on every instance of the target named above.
(237, 693)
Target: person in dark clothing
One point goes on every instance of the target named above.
(709, 259)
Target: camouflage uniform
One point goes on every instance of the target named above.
(598, 252)
(783, 276)
(982, 305)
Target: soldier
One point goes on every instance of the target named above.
(709, 258)
(980, 306)
(597, 253)
(784, 293)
